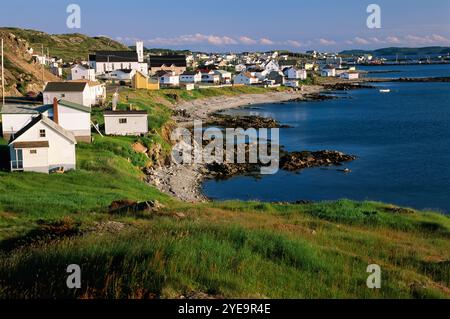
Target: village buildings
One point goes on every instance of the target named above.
(175, 63)
(104, 62)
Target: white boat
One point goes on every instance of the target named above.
(385, 90)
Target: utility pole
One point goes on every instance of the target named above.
(3, 78)
(42, 65)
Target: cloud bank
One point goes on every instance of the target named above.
(244, 40)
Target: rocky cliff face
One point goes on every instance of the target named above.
(21, 73)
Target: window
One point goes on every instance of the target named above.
(122, 121)
(33, 151)
(41, 133)
(63, 95)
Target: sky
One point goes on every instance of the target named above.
(241, 25)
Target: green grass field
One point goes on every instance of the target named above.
(223, 249)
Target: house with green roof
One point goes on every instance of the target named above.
(73, 117)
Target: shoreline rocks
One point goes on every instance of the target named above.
(295, 161)
(245, 122)
(340, 86)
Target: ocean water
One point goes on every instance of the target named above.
(414, 71)
(402, 140)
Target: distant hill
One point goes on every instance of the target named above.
(66, 46)
(400, 51)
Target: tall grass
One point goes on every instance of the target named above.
(169, 258)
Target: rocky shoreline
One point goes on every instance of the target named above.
(184, 181)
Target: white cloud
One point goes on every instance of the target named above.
(326, 42)
(362, 41)
(194, 39)
(265, 41)
(247, 40)
(294, 43)
(393, 40)
(425, 40)
(376, 40)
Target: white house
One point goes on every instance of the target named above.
(81, 72)
(350, 75)
(328, 71)
(245, 78)
(169, 78)
(295, 74)
(308, 66)
(107, 61)
(240, 68)
(42, 146)
(272, 66)
(334, 61)
(16, 117)
(224, 76)
(291, 84)
(56, 70)
(126, 122)
(120, 75)
(73, 117)
(97, 91)
(191, 77)
(76, 92)
(210, 77)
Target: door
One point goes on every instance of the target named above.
(17, 162)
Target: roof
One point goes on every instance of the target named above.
(57, 128)
(32, 144)
(114, 56)
(248, 74)
(167, 60)
(135, 112)
(222, 71)
(65, 86)
(190, 72)
(124, 70)
(91, 83)
(24, 109)
(80, 66)
(287, 62)
(75, 106)
(141, 74)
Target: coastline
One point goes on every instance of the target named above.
(184, 181)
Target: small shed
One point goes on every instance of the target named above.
(126, 122)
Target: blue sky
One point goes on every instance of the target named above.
(237, 25)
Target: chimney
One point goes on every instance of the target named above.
(55, 111)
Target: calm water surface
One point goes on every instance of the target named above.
(402, 140)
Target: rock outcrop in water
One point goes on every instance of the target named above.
(289, 161)
(341, 86)
(299, 160)
(245, 122)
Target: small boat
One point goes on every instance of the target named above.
(385, 90)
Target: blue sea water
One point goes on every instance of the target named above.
(402, 140)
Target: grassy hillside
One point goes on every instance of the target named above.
(22, 74)
(216, 249)
(62, 45)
